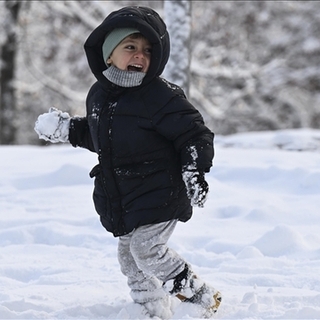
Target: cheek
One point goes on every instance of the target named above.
(120, 63)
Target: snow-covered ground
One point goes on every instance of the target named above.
(257, 240)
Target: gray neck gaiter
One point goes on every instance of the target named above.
(123, 78)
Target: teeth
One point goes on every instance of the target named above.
(136, 66)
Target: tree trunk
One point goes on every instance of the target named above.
(177, 15)
(7, 73)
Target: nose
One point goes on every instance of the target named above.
(139, 54)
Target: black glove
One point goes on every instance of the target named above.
(197, 187)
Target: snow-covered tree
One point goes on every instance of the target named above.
(8, 51)
(53, 68)
(177, 15)
(254, 64)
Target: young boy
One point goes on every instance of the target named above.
(153, 150)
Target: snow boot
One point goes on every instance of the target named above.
(187, 287)
(155, 303)
(158, 309)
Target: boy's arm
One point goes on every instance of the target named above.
(79, 133)
(57, 126)
(181, 123)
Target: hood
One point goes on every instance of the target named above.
(144, 19)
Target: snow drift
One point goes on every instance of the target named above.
(256, 240)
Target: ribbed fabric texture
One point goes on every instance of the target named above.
(124, 78)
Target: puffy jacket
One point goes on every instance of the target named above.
(142, 135)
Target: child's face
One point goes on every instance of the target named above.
(132, 54)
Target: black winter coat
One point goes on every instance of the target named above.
(142, 135)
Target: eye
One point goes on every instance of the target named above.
(148, 50)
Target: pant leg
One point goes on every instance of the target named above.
(143, 287)
(148, 247)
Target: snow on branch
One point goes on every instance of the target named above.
(51, 83)
(222, 71)
(74, 9)
(78, 11)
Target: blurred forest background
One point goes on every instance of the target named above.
(255, 65)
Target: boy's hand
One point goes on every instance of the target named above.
(53, 126)
(197, 187)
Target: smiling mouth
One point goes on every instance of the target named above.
(135, 67)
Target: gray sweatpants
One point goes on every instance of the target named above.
(147, 262)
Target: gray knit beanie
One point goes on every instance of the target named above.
(113, 39)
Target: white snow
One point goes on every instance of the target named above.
(257, 239)
(53, 126)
